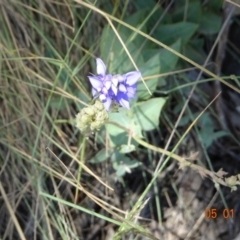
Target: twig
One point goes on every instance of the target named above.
(183, 162)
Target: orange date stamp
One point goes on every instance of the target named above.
(213, 213)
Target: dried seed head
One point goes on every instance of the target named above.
(98, 105)
(91, 118)
(231, 181)
(89, 111)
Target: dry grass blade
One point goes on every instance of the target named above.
(11, 212)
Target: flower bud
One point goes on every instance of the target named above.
(86, 118)
(101, 116)
(92, 117)
(95, 126)
(89, 110)
(98, 105)
(80, 124)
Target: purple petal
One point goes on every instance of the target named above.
(131, 91)
(122, 88)
(121, 78)
(108, 84)
(94, 92)
(132, 77)
(124, 103)
(122, 99)
(115, 80)
(101, 67)
(114, 89)
(96, 82)
(108, 77)
(107, 103)
(102, 97)
(104, 90)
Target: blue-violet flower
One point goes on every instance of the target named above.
(101, 84)
(127, 84)
(118, 87)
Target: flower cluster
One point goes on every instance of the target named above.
(118, 88)
(91, 118)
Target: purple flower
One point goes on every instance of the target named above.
(127, 84)
(118, 87)
(101, 84)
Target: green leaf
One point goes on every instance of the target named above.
(131, 163)
(207, 141)
(168, 63)
(101, 156)
(143, 4)
(210, 23)
(120, 170)
(170, 33)
(123, 164)
(148, 6)
(147, 113)
(112, 51)
(219, 134)
(179, 3)
(127, 148)
(206, 132)
(119, 136)
(151, 67)
(215, 5)
(187, 119)
(134, 20)
(168, 59)
(194, 51)
(206, 121)
(191, 13)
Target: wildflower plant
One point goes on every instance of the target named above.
(118, 89)
(108, 88)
